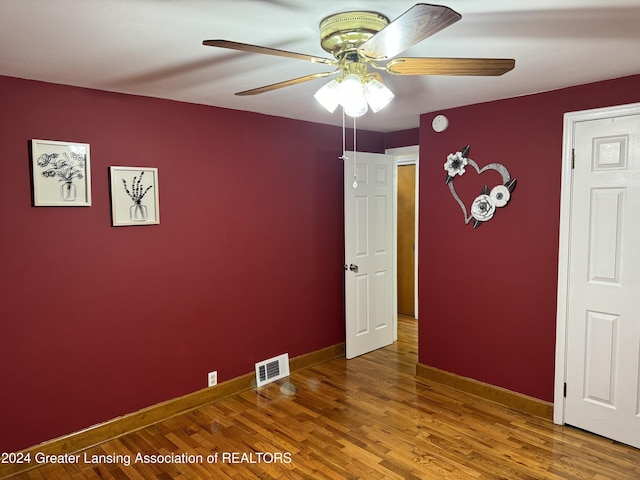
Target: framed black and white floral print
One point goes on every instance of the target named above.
(61, 173)
(134, 196)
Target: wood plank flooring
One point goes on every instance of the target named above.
(366, 418)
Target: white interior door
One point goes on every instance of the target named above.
(603, 309)
(369, 302)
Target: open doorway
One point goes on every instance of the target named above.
(384, 308)
(406, 224)
(405, 237)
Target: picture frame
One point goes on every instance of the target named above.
(134, 196)
(61, 173)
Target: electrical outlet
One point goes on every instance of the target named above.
(212, 378)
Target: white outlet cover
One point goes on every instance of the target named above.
(212, 378)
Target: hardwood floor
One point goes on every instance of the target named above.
(364, 418)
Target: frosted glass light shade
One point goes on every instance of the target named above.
(328, 95)
(352, 96)
(377, 94)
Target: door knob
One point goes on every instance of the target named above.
(353, 268)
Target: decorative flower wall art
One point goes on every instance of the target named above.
(61, 174)
(484, 205)
(134, 196)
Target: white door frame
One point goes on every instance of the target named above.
(404, 156)
(570, 121)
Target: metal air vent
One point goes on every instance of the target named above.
(272, 369)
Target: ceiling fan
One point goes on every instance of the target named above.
(362, 39)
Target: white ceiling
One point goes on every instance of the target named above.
(154, 48)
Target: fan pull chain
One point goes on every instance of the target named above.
(344, 138)
(344, 147)
(355, 149)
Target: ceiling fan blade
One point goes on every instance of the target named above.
(419, 22)
(245, 47)
(450, 66)
(286, 83)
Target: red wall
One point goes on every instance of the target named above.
(487, 296)
(402, 138)
(99, 321)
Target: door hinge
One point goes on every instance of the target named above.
(565, 390)
(573, 158)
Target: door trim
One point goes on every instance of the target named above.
(569, 125)
(404, 156)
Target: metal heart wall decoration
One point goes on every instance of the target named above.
(484, 205)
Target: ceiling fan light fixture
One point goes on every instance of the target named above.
(352, 96)
(377, 94)
(328, 95)
(361, 39)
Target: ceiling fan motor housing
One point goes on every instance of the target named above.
(341, 34)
